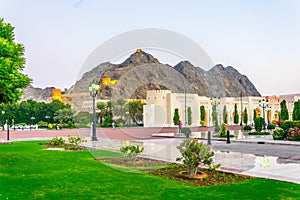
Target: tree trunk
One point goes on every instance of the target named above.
(192, 170)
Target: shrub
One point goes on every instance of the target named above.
(296, 123)
(131, 152)
(259, 123)
(120, 121)
(223, 129)
(194, 153)
(76, 141)
(43, 124)
(270, 127)
(278, 134)
(108, 119)
(247, 128)
(50, 126)
(187, 131)
(57, 141)
(202, 123)
(217, 128)
(259, 133)
(293, 134)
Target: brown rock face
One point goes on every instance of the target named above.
(141, 72)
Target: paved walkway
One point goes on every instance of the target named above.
(256, 156)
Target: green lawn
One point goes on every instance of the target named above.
(28, 171)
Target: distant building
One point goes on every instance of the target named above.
(161, 104)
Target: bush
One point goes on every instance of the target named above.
(247, 128)
(203, 123)
(43, 124)
(293, 134)
(108, 119)
(57, 141)
(50, 126)
(76, 141)
(131, 152)
(223, 129)
(296, 124)
(259, 123)
(278, 134)
(270, 127)
(187, 131)
(259, 133)
(120, 122)
(217, 128)
(194, 153)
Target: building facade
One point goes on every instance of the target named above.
(161, 104)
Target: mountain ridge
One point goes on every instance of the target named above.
(142, 71)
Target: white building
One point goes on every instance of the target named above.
(161, 104)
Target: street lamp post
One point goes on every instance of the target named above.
(241, 124)
(93, 89)
(264, 104)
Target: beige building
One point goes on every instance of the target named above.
(161, 104)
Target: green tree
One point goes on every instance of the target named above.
(135, 111)
(296, 110)
(12, 62)
(245, 120)
(225, 120)
(189, 115)
(254, 114)
(284, 111)
(202, 113)
(214, 115)
(101, 106)
(119, 107)
(259, 123)
(176, 117)
(236, 115)
(64, 115)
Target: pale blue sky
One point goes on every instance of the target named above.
(260, 38)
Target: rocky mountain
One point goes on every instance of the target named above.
(37, 94)
(141, 72)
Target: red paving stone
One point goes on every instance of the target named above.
(119, 133)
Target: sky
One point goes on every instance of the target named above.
(261, 39)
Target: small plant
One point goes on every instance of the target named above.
(202, 123)
(76, 141)
(259, 133)
(279, 134)
(270, 127)
(223, 129)
(187, 131)
(247, 128)
(293, 134)
(131, 152)
(57, 141)
(195, 154)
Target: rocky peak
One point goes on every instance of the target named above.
(138, 58)
(183, 66)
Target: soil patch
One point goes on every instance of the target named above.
(178, 172)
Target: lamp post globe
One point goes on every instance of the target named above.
(93, 89)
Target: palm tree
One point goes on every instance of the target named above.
(101, 106)
(135, 111)
(120, 107)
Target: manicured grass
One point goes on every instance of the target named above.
(28, 171)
